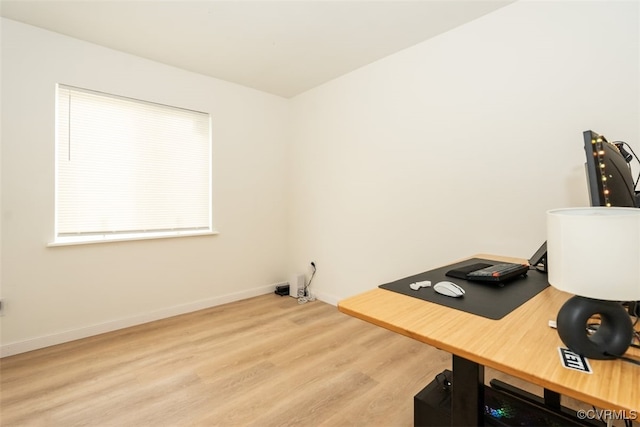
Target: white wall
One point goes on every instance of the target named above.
(55, 294)
(383, 170)
(459, 145)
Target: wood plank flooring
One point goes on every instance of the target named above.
(265, 361)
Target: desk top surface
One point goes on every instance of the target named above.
(520, 344)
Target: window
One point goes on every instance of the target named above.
(127, 168)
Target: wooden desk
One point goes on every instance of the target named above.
(520, 344)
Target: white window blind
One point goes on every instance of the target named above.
(128, 167)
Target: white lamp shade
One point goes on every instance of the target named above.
(595, 252)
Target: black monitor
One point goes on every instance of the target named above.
(610, 182)
(608, 173)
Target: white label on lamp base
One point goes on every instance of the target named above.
(571, 360)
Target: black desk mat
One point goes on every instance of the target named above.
(483, 299)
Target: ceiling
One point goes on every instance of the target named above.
(280, 47)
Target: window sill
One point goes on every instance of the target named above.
(106, 238)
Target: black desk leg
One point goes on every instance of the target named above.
(467, 398)
(552, 400)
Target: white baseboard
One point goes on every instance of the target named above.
(71, 335)
(329, 299)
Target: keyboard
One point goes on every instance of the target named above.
(498, 273)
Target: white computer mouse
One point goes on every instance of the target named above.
(449, 289)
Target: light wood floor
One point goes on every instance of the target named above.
(265, 361)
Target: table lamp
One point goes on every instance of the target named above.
(594, 253)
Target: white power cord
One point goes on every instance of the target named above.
(309, 298)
